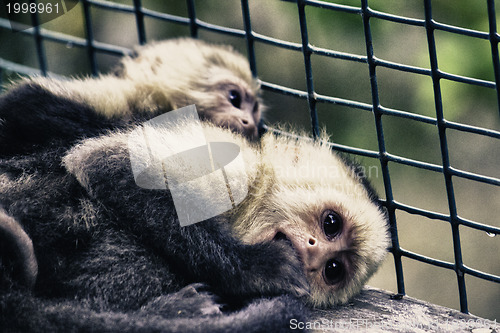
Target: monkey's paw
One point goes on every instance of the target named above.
(192, 300)
(274, 269)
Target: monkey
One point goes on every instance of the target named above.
(156, 78)
(110, 253)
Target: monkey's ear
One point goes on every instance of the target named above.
(17, 257)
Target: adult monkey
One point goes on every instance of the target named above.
(159, 78)
(112, 255)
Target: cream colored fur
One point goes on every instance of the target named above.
(164, 76)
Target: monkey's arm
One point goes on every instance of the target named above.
(21, 312)
(109, 275)
(31, 116)
(204, 252)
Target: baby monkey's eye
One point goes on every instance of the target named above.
(235, 98)
(334, 271)
(332, 224)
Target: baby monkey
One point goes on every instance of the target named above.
(158, 78)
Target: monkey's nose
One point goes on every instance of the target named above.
(313, 246)
(249, 128)
(313, 254)
(247, 123)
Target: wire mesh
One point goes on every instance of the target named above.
(313, 98)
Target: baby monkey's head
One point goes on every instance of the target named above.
(180, 72)
(309, 197)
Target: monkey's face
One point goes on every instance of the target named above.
(315, 204)
(238, 108)
(229, 100)
(340, 239)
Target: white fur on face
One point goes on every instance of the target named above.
(300, 181)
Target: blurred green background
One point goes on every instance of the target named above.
(343, 32)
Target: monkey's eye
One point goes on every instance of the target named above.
(235, 98)
(332, 224)
(334, 271)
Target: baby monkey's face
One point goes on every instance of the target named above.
(316, 204)
(339, 242)
(237, 107)
(324, 245)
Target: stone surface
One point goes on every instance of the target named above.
(376, 310)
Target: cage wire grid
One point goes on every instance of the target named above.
(313, 98)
